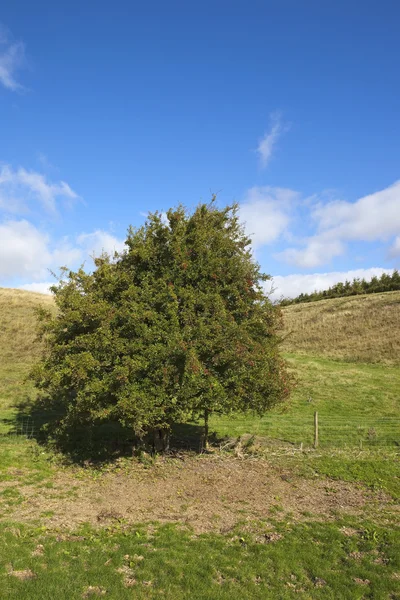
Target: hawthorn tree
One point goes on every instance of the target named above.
(175, 327)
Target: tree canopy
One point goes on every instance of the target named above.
(175, 327)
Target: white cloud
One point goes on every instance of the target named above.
(12, 58)
(394, 250)
(66, 254)
(40, 287)
(100, 241)
(24, 251)
(27, 253)
(290, 286)
(373, 218)
(318, 251)
(19, 186)
(266, 213)
(267, 143)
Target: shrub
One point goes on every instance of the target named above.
(175, 327)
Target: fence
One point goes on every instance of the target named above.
(324, 430)
(320, 429)
(314, 429)
(358, 431)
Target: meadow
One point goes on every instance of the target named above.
(263, 515)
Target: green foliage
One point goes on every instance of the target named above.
(385, 283)
(174, 327)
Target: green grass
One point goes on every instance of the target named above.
(346, 560)
(24, 460)
(358, 419)
(379, 469)
(359, 423)
(357, 404)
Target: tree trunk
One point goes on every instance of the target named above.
(165, 437)
(138, 444)
(205, 436)
(155, 443)
(160, 440)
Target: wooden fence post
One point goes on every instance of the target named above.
(315, 429)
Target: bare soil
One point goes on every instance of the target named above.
(208, 493)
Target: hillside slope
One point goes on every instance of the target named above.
(357, 328)
(18, 322)
(19, 347)
(352, 399)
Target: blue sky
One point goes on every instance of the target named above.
(109, 110)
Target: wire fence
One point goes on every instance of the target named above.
(324, 430)
(307, 430)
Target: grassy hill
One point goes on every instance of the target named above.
(358, 329)
(19, 347)
(355, 394)
(18, 324)
(276, 520)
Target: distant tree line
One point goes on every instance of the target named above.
(385, 283)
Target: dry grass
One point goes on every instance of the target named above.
(358, 328)
(18, 324)
(19, 347)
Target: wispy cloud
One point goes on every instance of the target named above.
(268, 142)
(394, 250)
(12, 58)
(19, 186)
(44, 162)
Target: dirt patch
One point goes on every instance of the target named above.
(39, 550)
(93, 590)
(205, 492)
(361, 581)
(22, 575)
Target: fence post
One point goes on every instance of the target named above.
(315, 429)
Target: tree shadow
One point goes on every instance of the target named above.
(190, 436)
(80, 442)
(91, 442)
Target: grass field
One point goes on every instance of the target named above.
(358, 405)
(343, 560)
(267, 517)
